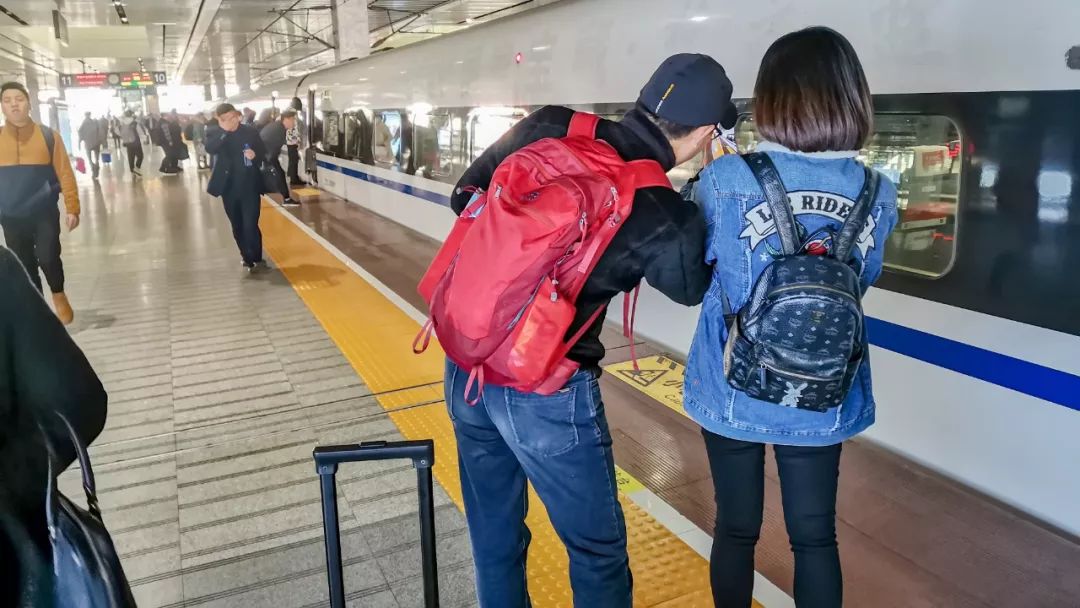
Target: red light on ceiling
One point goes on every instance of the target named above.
(518, 58)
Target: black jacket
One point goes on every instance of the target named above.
(231, 177)
(42, 371)
(663, 240)
(273, 135)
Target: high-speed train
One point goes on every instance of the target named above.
(975, 324)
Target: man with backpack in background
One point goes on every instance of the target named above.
(275, 136)
(295, 140)
(35, 169)
(562, 213)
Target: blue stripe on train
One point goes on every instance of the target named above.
(1016, 374)
(1023, 376)
(427, 195)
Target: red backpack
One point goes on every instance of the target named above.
(502, 289)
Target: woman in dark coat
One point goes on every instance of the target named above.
(42, 372)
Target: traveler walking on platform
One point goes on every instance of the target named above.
(114, 132)
(295, 140)
(172, 142)
(91, 141)
(198, 138)
(275, 135)
(790, 367)
(34, 170)
(236, 178)
(551, 429)
(42, 373)
(132, 140)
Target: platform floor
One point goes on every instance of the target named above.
(221, 383)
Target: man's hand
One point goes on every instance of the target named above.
(249, 154)
(72, 221)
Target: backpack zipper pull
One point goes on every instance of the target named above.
(554, 290)
(761, 374)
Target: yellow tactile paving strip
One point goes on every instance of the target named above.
(376, 337)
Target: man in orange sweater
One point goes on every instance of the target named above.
(33, 177)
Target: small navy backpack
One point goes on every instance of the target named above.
(800, 338)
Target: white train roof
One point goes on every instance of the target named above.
(591, 51)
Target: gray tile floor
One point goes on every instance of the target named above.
(220, 384)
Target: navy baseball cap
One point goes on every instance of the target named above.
(692, 90)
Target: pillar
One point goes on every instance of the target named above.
(352, 37)
(31, 82)
(242, 68)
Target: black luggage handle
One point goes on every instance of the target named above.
(422, 455)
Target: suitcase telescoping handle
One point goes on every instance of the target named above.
(422, 455)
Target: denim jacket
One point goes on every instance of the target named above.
(741, 242)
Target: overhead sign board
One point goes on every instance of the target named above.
(113, 80)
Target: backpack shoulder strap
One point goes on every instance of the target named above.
(648, 174)
(856, 220)
(50, 140)
(783, 218)
(583, 124)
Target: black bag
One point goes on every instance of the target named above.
(422, 455)
(800, 339)
(84, 570)
(273, 179)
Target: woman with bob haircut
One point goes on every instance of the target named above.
(813, 110)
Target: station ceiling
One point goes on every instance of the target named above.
(238, 42)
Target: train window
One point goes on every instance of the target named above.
(353, 133)
(922, 155)
(390, 142)
(331, 124)
(358, 136)
(434, 137)
(486, 125)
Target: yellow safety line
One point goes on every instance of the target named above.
(376, 337)
(658, 377)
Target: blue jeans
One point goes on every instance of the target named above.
(561, 444)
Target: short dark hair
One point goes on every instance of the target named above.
(811, 93)
(671, 130)
(14, 86)
(289, 113)
(223, 109)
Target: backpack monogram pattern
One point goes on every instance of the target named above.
(800, 339)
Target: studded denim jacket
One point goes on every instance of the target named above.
(741, 242)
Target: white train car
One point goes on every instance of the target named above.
(976, 323)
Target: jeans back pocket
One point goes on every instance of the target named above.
(544, 424)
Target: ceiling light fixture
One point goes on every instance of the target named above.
(120, 12)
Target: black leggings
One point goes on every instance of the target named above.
(294, 165)
(808, 480)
